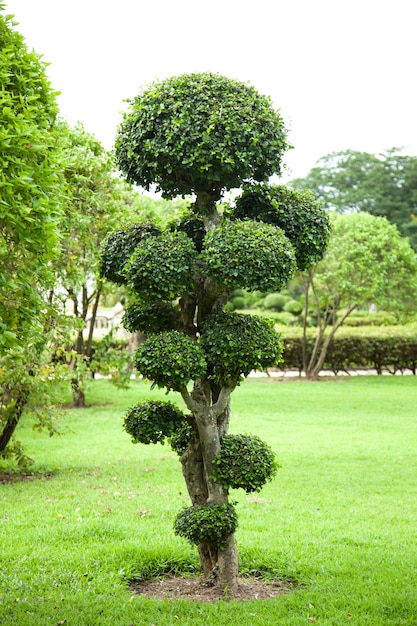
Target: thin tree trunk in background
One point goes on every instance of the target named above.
(18, 397)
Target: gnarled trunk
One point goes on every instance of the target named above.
(220, 566)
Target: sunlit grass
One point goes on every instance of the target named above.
(339, 518)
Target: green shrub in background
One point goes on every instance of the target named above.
(275, 301)
(294, 307)
(238, 302)
(388, 348)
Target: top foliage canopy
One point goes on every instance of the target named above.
(200, 133)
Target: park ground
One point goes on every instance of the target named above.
(335, 530)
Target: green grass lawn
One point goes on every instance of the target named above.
(339, 518)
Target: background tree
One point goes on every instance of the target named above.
(97, 201)
(367, 262)
(383, 184)
(204, 134)
(31, 200)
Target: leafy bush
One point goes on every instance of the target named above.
(162, 267)
(170, 360)
(153, 421)
(298, 213)
(365, 318)
(389, 348)
(235, 344)
(250, 255)
(294, 307)
(193, 226)
(275, 301)
(190, 142)
(181, 438)
(238, 302)
(118, 246)
(244, 462)
(206, 523)
(150, 317)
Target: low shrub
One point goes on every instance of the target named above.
(275, 301)
(390, 348)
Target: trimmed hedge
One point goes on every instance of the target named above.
(388, 348)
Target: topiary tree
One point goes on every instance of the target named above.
(203, 134)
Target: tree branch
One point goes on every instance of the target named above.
(222, 400)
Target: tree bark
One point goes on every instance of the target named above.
(16, 399)
(211, 409)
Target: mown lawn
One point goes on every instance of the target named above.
(340, 517)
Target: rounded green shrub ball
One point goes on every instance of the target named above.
(118, 246)
(244, 462)
(150, 317)
(298, 213)
(275, 301)
(250, 255)
(170, 359)
(206, 523)
(294, 307)
(235, 344)
(153, 421)
(162, 267)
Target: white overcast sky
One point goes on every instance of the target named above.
(343, 73)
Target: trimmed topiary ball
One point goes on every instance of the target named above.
(294, 307)
(244, 462)
(206, 523)
(118, 246)
(162, 267)
(275, 301)
(200, 132)
(298, 213)
(235, 344)
(251, 255)
(153, 421)
(170, 360)
(150, 317)
(183, 435)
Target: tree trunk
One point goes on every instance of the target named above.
(15, 401)
(78, 396)
(315, 366)
(211, 410)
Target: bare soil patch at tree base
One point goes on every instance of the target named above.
(20, 478)
(179, 587)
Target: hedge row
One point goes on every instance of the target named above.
(392, 349)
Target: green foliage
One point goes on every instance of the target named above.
(150, 317)
(235, 344)
(152, 421)
(206, 523)
(294, 307)
(367, 262)
(392, 349)
(110, 357)
(244, 462)
(32, 188)
(255, 256)
(298, 213)
(162, 267)
(275, 301)
(200, 132)
(383, 184)
(170, 360)
(193, 226)
(374, 318)
(118, 247)
(183, 435)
